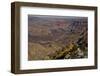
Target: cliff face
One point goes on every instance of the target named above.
(57, 37)
(75, 50)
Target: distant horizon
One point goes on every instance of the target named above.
(56, 16)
